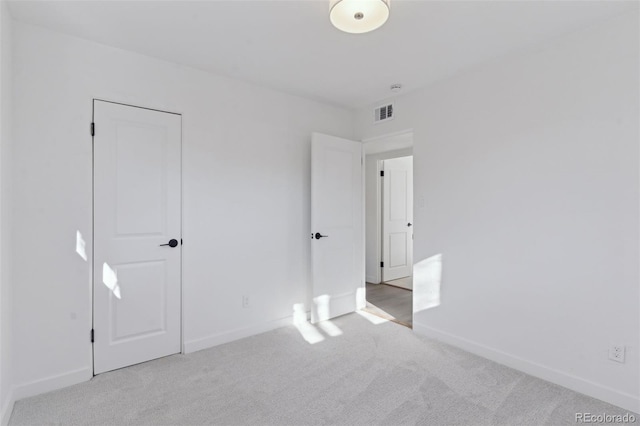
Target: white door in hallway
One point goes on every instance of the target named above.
(397, 218)
(137, 235)
(337, 222)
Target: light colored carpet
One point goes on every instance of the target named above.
(369, 374)
(406, 282)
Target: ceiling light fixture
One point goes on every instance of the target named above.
(359, 16)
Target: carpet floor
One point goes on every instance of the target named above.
(367, 374)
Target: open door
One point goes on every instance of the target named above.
(397, 218)
(137, 226)
(337, 243)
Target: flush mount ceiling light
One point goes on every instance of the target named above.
(359, 16)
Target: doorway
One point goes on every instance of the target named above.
(397, 221)
(137, 240)
(389, 227)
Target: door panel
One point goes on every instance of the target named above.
(143, 284)
(137, 207)
(336, 211)
(397, 214)
(398, 250)
(140, 177)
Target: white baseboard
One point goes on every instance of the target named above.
(238, 333)
(372, 279)
(6, 410)
(604, 393)
(52, 383)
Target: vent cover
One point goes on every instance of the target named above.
(383, 113)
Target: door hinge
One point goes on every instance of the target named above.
(381, 173)
(382, 264)
(92, 335)
(93, 129)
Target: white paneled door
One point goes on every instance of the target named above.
(397, 218)
(137, 235)
(337, 244)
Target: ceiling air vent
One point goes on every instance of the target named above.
(383, 113)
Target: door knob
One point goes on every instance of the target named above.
(172, 243)
(319, 235)
(409, 224)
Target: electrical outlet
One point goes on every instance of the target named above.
(616, 353)
(245, 301)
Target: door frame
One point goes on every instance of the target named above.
(93, 195)
(382, 144)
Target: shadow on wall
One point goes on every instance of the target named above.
(427, 279)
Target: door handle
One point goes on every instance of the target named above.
(172, 243)
(319, 235)
(409, 224)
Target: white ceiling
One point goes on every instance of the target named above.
(291, 45)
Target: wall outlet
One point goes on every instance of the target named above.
(245, 301)
(616, 353)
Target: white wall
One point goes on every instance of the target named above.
(246, 176)
(526, 181)
(6, 398)
(373, 210)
